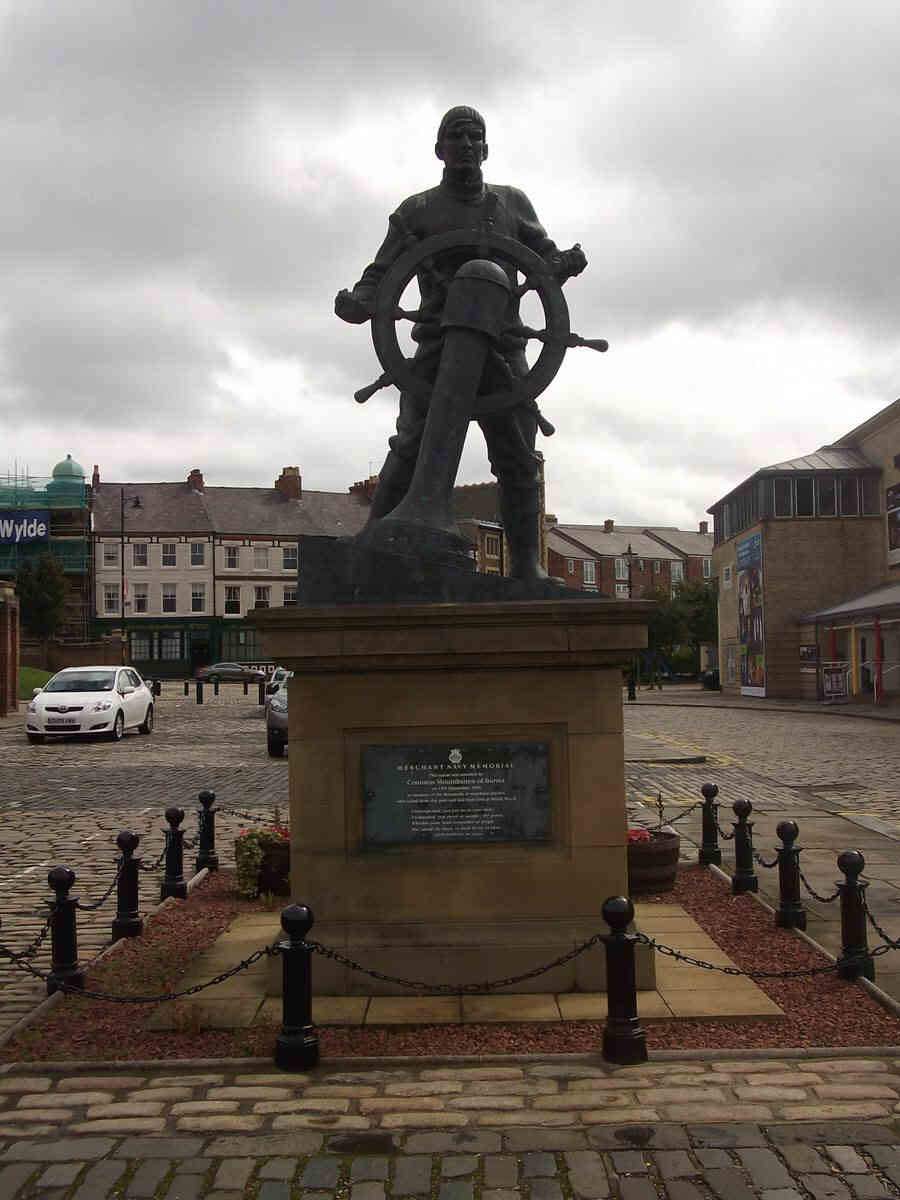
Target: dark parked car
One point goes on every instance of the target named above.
(230, 672)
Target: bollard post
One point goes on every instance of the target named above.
(64, 967)
(709, 843)
(206, 823)
(127, 921)
(297, 1046)
(791, 914)
(262, 692)
(187, 687)
(215, 687)
(624, 1041)
(157, 687)
(173, 883)
(744, 877)
(199, 691)
(246, 685)
(855, 958)
(632, 695)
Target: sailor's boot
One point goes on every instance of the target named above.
(393, 484)
(521, 513)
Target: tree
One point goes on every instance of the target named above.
(41, 586)
(687, 618)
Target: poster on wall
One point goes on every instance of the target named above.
(751, 635)
(892, 506)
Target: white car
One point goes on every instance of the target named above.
(103, 700)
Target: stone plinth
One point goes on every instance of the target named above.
(539, 672)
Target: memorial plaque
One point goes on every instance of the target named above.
(456, 792)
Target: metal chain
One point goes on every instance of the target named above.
(892, 943)
(154, 866)
(236, 812)
(761, 862)
(815, 895)
(687, 812)
(450, 989)
(189, 845)
(266, 951)
(30, 951)
(722, 833)
(109, 891)
(699, 962)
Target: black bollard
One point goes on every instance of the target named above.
(632, 695)
(199, 691)
(262, 692)
(187, 686)
(64, 967)
(215, 687)
(744, 877)
(206, 824)
(297, 1046)
(173, 883)
(855, 958)
(157, 687)
(709, 844)
(246, 685)
(127, 921)
(791, 914)
(624, 1041)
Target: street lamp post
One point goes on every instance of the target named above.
(629, 559)
(135, 503)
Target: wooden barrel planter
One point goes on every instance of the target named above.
(653, 865)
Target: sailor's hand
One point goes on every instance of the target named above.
(351, 309)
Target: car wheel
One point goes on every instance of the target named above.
(36, 739)
(118, 729)
(276, 745)
(147, 726)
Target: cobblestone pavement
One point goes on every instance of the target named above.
(800, 1127)
(64, 802)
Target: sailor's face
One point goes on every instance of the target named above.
(462, 145)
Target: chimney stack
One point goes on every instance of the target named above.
(608, 526)
(704, 526)
(289, 483)
(195, 480)
(365, 488)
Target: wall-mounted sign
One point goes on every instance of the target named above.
(834, 682)
(751, 633)
(24, 525)
(809, 653)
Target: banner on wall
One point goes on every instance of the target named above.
(24, 525)
(751, 631)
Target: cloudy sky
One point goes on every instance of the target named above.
(187, 184)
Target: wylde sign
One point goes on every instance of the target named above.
(456, 792)
(24, 525)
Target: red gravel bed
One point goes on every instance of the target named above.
(819, 1010)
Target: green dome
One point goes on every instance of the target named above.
(68, 469)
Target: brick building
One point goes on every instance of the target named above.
(628, 560)
(807, 553)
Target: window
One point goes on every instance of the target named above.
(290, 598)
(621, 568)
(231, 557)
(262, 597)
(849, 496)
(232, 601)
(640, 564)
(198, 597)
(168, 599)
(676, 571)
(140, 591)
(260, 558)
(869, 496)
(590, 571)
(289, 560)
(726, 578)
(198, 554)
(804, 492)
(110, 554)
(140, 645)
(570, 566)
(657, 566)
(168, 554)
(826, 495)
(492, 545)
(782, 490)
(170, 645)
(111, 598)
(707, 568)
(622, 591)
(139, 554)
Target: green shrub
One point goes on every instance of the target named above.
(262, 859)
